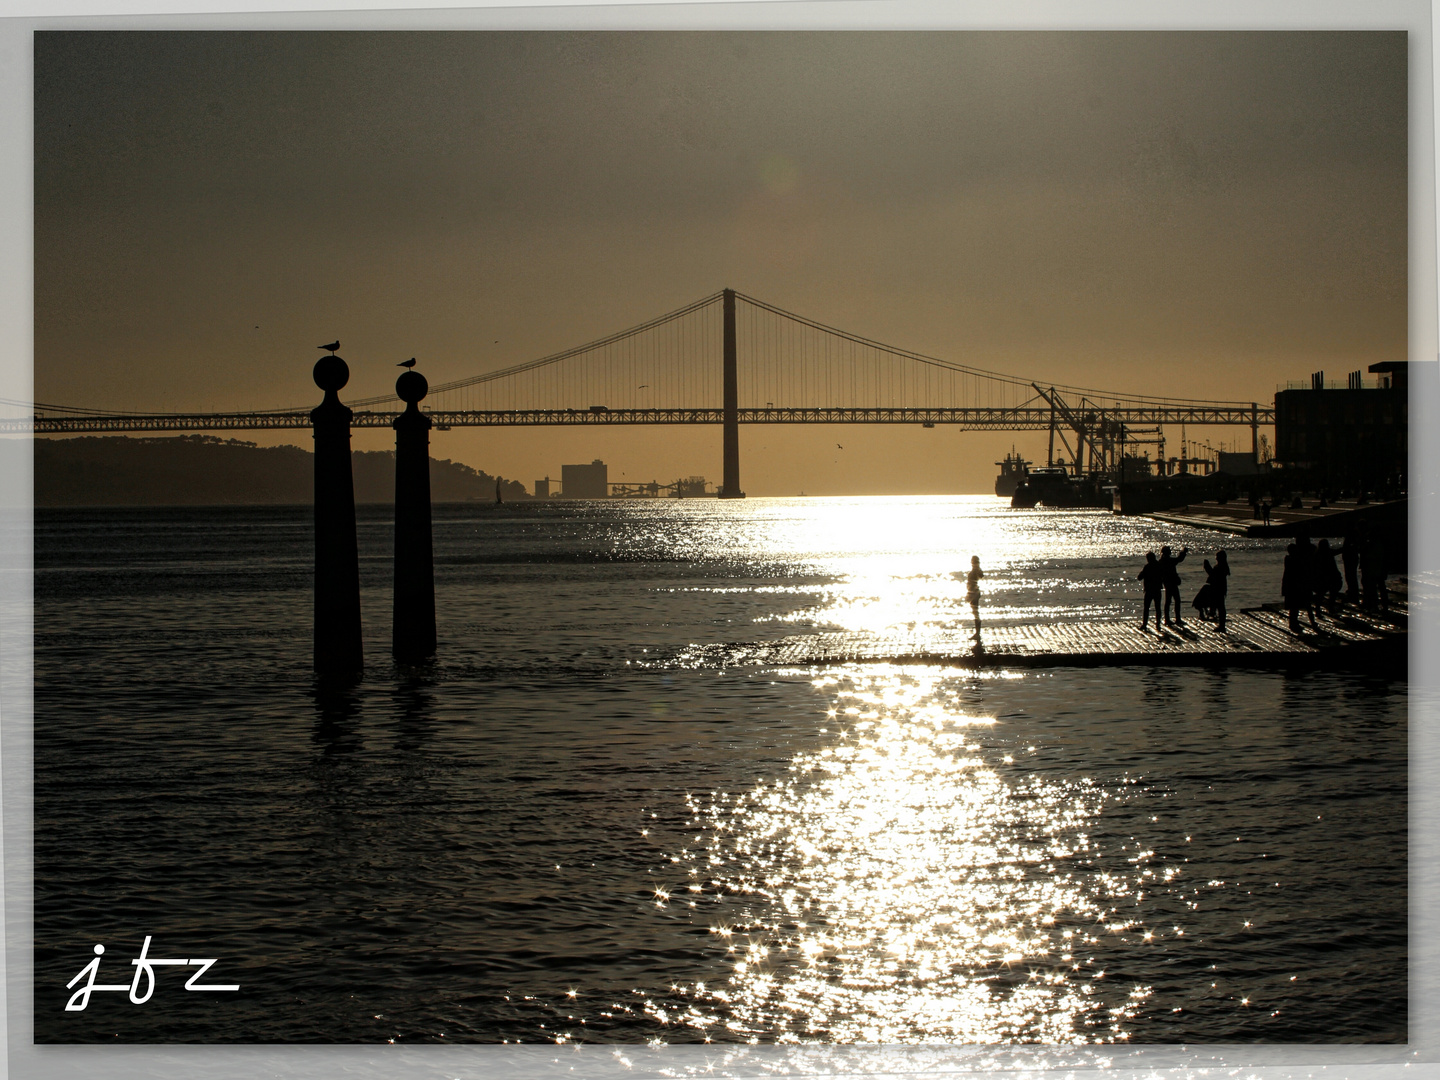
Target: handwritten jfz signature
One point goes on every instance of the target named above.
(145, 966)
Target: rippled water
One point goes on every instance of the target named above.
(565, 831)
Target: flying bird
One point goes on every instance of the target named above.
(839, 447)
(407, 363)
(642, 386)
(332, 346)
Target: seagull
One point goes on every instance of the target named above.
(332, 346)
(839, 447)
(642, 386)
(407, 363)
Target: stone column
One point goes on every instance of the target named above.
(338, 650)
(413, 627)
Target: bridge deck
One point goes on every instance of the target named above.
(1257, 637)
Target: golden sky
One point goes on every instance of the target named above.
(1190, 214)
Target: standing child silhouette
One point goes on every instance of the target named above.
(972, 591)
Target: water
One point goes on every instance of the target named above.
(572, 829)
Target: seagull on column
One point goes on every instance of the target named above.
(332, 346)
(407, 363)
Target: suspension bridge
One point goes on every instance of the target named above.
(730, 359)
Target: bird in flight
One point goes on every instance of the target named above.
(839, 447)
(642, 386)
(407, 363)
(332, 346)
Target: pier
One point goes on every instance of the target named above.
(1254, 638)
(1335, 518)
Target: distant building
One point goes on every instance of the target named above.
(1241, 463)
(1351, 437)
(542, 488)
(585, 481)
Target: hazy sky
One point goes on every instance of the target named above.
(1199, 214)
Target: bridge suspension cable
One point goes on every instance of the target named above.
(791, 369)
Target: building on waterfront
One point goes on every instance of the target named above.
(542, 488)
(585, 481)
(1352, 437)
(1238, 463)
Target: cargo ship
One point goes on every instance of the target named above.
(1013, 471)
(1055, 486)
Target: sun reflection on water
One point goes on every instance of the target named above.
(899, 565)
(899, 885)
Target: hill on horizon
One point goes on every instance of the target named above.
(203, 470)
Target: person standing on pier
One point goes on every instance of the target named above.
(972, 591)
(1327, 578)
(1150, 577)
(1219, 586)
(1295, 587)
(1350, 557)
(1203, 602)
(1170, 578)
(1373, 573)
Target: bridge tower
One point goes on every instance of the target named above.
(730, 485)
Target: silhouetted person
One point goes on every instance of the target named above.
(1203, 602)
(1265, 512)
(1327, 577)
(1170, 578)
(1373, 573)
(1150, 577)
(1310, 557)
(1295, 586)
(972, 591)
(1350, 558)
(1218, 580)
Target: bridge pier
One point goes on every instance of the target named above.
(338, 650)
(412, 628)
(730, 484)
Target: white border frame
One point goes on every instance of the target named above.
(1280, 1062)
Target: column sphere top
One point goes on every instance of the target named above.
(331, 373)
(411, 387)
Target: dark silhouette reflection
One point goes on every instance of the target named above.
(1162, 688)
(337, 712)
(1215, 691)
(415, 710)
